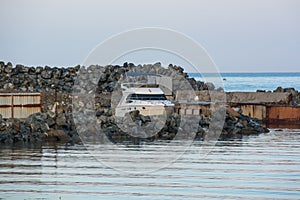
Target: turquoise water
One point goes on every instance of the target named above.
(255, 167)
(257, 81)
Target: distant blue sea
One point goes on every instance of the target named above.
(256, 81)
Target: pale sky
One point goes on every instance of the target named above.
(239, 35)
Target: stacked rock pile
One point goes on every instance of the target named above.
(38, 127)
(36, 79)
(57, 85)
(295, 101)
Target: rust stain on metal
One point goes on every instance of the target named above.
(5, 100)
(5, 112)
(22, 112)
(284, 113)
(193, 109)
(256, 111)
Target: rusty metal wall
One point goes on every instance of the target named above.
(283, 114)
(19, 105)
(5, 100)
(23, 112)
(256, 111)
(193, 109)
(5, 112)
(26, 99)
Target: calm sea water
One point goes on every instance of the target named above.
(256, 167)
(257, 81)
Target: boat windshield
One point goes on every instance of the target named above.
(146, 97)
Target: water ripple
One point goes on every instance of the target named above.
(260, 167)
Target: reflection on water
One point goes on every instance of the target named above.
(288, 125)
(262, 167)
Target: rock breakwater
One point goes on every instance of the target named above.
(56, 121)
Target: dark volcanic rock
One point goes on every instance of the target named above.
(46, 74)
(56, 86)
(61, 119)
(36, 79)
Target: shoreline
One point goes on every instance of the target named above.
(55, 121)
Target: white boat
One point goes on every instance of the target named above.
(150, 100)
